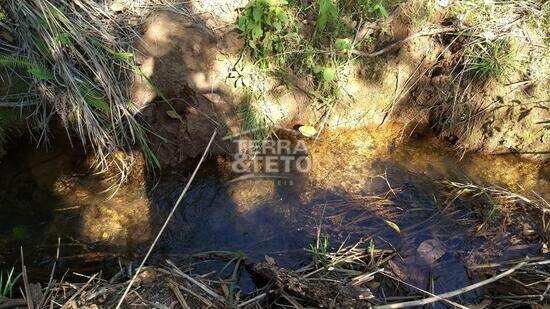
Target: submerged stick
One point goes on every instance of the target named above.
(463, 290)
(166, 222)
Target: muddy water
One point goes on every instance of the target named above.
(362, 183)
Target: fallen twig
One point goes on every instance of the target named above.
(28, 295)
(197, 283)
(75, 295)
(403, 41)
(173, 286)
(424, 291)
(167, 220)
(252, 300)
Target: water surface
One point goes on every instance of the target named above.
(360, 180)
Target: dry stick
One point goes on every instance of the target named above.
(401, 42)
(252, 300)
(75, 295)
(198, 296)
(166, 222)
(47, 292)
(12, 303)
(28, 295)
(197, 283)
(424, 291)
(463, 290)
(173, 286)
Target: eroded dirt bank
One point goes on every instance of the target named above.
(196, 68)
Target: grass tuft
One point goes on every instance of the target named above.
(490, 58)
(7, 284)
(74, 54)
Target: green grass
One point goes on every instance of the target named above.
(490, 58)
(7, 283)
(254, 121)
(499, 31)
(89, 75)
(421, 12)
(228, 275)
(267, 27)
(306, 39)
(319, 251)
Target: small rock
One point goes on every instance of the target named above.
(270, 260)
(361, 293)
(147, 276)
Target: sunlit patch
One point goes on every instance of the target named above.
(158, 35)
(248, 195)
(119, 220)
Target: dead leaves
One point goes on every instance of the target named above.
(393, 226)
(430, 251)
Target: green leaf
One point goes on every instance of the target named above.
(383, 11)
(283, 17)
(64, 39)
(40, 73)
(124, 56)
(21, 232)
(241, 23)
(328, 12)
(257, 13)
(328, 74)
(257, 32)
(342, 44)
(316, 68)
(93, 98)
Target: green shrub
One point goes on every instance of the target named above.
(264, 25)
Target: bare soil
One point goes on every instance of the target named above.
(415, 86)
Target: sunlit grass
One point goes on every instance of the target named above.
(490, 58)
(7, 283)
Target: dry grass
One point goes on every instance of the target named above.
(353, 274)
(78, 57)
(495, 203)
(155, 287)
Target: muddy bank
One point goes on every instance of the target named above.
(416, 85)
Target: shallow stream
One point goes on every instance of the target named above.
(362, 183)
